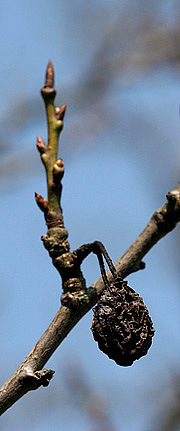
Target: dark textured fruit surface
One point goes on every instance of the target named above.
(122, 325)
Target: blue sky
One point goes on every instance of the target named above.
(113, 182)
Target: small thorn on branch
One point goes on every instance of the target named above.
(38, 378)
(49, 80)
(44, 377)
(41, 146)
(42, 203)
(60, 112)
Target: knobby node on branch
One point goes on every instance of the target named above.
(121, 325)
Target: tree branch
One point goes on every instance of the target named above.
(77, 300)
(24, 378)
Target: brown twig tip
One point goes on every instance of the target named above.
(42, 203)
(49, 80)
(41, 146)
(60, 112)
(58, 171)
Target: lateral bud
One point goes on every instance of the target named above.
(41, 146)
(60, 112)
(42, 203)
(58, 171)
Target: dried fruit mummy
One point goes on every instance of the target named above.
(121, 325)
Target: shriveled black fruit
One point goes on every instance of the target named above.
(122, 325)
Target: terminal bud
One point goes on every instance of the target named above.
(49, 79)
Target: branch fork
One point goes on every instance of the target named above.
(77, 299)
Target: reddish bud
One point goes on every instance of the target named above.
(42, 203)
(60, 112)
(58, 171)
(49, 80)
(41, 145)
(48, 91)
